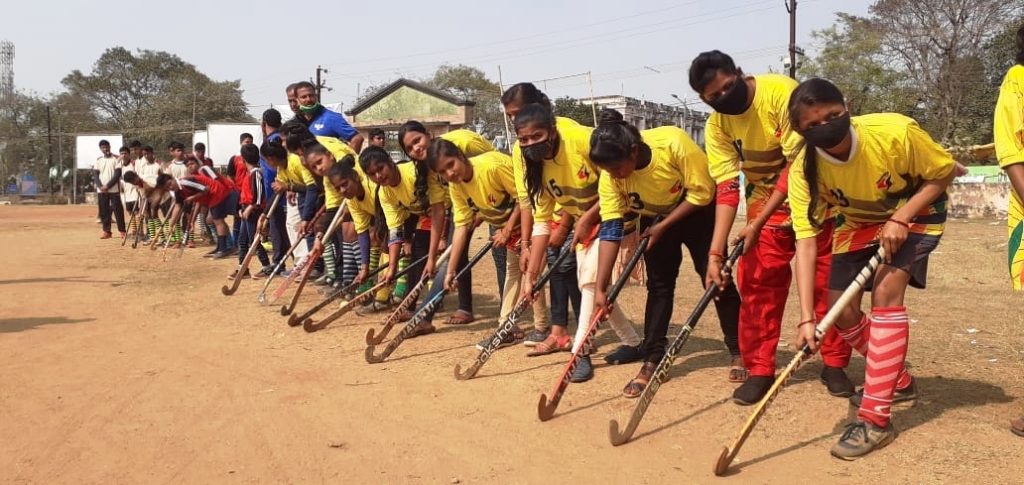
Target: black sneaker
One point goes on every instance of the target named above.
(901, 395)
(584, 370)
(751, 391)
(861, 438)
(536, 336)
(511, 338)
(211, 253)
(837, 382)
(625, 354)
(220, 255)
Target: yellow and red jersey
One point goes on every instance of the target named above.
(363, 210)
(678, 171)
(1008, 131)
(400, 201)
(491, 192)
(569, 180)
(891, 157)
(767, 141)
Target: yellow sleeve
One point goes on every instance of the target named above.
(462, 214)
(544, 212)
(1008, 125)
(470, 142)
(504, 177)
(693, 164)
(613, 204)
(926, 158)
(392, 213)
(332, 198)
(436, 193)
(519, 174)
(360, 219)
(337, 148)
(800, 200)
(723, 161)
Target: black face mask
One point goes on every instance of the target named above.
(538, 152)
(734, 101)
(830, 134)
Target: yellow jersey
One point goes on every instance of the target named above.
(363, 210)
(767, 141)
(470, 142)
(1008, 131)
(569, 180)
(678, 171)
(491, 192)
(295, 173)
(519, 163)
(332, 198)
(891, 157)
(400, 201)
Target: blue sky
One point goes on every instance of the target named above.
(641, 49)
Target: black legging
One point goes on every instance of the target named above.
(663, 261)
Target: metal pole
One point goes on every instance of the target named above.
(49, 148)
(504, 115)
(74, 177)
(60, 152)
(593, 104)
(791, 7)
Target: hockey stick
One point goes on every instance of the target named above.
(124, 239)
(617, 438)
(189, 225)
(545, 407)
(313, 257)
(295, 319)
(310, 326)
(142, 222)
(296, 270)
(729, 453)
(374, 338)
(257, 240)
(167, 241)
(510, 321)
(427, 309)
(160, 232)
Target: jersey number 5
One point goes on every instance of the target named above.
(554, 188)
(634, 202)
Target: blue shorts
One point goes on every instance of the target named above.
(227, 206)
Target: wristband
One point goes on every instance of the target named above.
(805, 322)
(716, 253)
(904, 224)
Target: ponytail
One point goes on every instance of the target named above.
(540, 116)
(613, 140)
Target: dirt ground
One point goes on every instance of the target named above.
(119, 367)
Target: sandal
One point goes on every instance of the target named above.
(738, 373)
(551, 345)
(460, 317)
(1017, 426)
(425, 328)
(636, 386)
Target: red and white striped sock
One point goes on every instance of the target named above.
(887, 350)
(856, 335)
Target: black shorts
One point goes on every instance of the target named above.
(912, 258)
(227, 207)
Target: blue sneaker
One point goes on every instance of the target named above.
(584, 370)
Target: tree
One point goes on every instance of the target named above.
(154, 94)
(571, 108)
(472, 84)
(940, 44)
(853, 58)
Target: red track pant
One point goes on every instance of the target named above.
(763, 277)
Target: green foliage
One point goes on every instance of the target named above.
(470, 83)
(571, 108)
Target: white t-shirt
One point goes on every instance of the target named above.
(148, 171)
(106, 167)
(131, 194)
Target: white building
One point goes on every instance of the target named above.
(647, 114)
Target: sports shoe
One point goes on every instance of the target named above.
(511, 338)
(861, 438)
(900, 395)
(220, 255)
(263, 273)
(836, 381)
(322, 280)
(584, 370)
(536, 336)
(625, 354)
(753, 390)
(211, 253)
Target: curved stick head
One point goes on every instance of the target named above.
(309, 326)
(227, 291)
(546, 410)
(370, 340)
(293, 320)
(285, 311)
(262, 298)
(617, 438)
(722, 465)
(370, 358)
(469, 374)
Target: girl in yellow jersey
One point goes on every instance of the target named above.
(563, 287)
(887, 180)
(1009, 137)
(483, 187)
(403, 205)
(558, 170)
(300, 185)
(414, 138)
(657, 172)
(320, 158)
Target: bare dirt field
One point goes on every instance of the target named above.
(118, 367)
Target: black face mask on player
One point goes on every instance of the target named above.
(830, 134)
(734, 101)
(538, 152)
